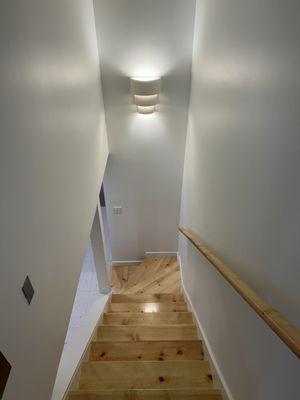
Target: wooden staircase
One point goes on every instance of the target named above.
(146, 345)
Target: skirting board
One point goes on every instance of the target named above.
(147, 255)
(126, 262)
(161, 254)
(217, 374)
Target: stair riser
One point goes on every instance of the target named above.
(145, 396)
(146, 351)
(145, 375)
(147, 298)
(148, 333)
(168, 318)
(147, 307)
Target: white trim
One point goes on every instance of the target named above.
(99, 252)
(74, 352)
(126, 262)
(161, 254)
(218, 376)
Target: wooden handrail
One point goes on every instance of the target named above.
(287, 332)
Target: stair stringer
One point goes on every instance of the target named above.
(74, 383)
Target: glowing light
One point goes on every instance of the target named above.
(148, 127)
(145, 110)
(145, 86)
(150, 308)
(146, 101)
(145, 92)
(146, 78)
(146, 62)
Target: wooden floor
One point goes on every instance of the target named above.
(153, 276)
(146, 345)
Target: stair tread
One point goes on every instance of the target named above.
(146, 350)
(147, 298)
(145, 374)
(147, 307)
(158, 318)
(146, 394)
(147, 332)
(146, 345)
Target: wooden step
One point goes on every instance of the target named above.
(163, 318)
(145, 375)
(144, 394)
(148, 298)
(146, 351)
(129, 333)
(147, 307)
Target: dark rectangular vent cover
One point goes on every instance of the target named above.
(5, 368)
(28, 290)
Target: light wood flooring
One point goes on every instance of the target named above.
(153, 276)
(146, 346)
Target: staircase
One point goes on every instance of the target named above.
(146, 346)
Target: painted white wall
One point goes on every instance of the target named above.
(144, 174)
(53, 150)
(241, 189)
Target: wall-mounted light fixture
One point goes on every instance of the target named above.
(145, 92)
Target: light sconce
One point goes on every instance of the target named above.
(145, 92)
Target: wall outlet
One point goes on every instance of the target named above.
(117, 210)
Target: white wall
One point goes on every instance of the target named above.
(53, 151)
(144, 174)
(241, 187)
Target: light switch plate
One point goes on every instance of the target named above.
(117, 210)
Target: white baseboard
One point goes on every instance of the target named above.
(126, 262)
(147, 255)
(219, 379)
(161, 254)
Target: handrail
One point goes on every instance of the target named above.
(287, 332)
